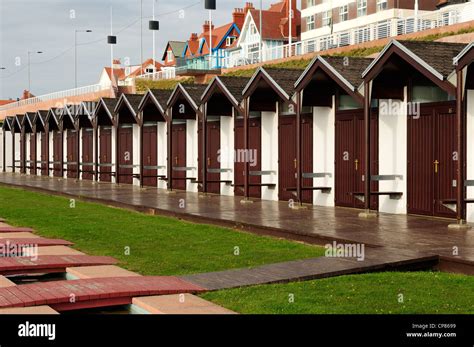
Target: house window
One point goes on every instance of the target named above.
(343, 13)
(149, 70)
(310, 3)
(382, 5)
(230, 40)
(327, 18)
(361, 8)
(310, 23)
(253, 30)
(170, 56)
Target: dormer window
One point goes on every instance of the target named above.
(230, 40)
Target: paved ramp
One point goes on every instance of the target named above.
(10, 229)
(313, 268)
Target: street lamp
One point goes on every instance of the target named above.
(154, 25)
(75, 53)
(29, 69)
(210, 5)
(111, 40)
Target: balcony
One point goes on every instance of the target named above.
(196, 66)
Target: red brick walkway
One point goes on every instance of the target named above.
(49, 263)
(87, 293)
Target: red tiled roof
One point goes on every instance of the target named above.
(119, 73)
(4, 102)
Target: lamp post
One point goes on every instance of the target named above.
(261, 34)
(154, 25)
(29, 69)
(111, 40)
(75, 53)
(210, 5)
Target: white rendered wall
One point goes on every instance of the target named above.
(270, 154)
(79, 157)
(38, 152)
(51, 153)
(191, 153)
(27, 158)
(470, 152)
(65, 158)
(17, 151)
(227, 148)
(136, 152)
(324, 153)
(162, 152)
(8, 151)
(393, 154)
(114, 167)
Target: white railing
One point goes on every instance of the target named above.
(159, 75)
(388, 28)
(56, 95)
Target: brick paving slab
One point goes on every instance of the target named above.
(29, 310)
(179, 304)
(99, 271)
(49, 263)
(58, 250)
(10, 229)
(87, 292)
(38, 241)
(18, 235)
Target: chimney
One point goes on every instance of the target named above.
(238, 17)
(206, 26)
(117, 64)
(26, 94)
(248, 7)
(194, 37)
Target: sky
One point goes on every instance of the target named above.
(49, 26)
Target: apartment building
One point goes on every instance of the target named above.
(346, 22)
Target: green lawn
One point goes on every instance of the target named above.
(423, 293)
(158, 245)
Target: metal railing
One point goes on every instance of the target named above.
(166, 74)
(56, 95)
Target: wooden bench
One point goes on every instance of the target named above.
(325, 190)
(392, 195)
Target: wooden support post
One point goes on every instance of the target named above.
(367, 174)
(460, 135)
(117, 156)
(141, 149)
(61, 170)
(246, 149)
(204, 149)
(96, 152)
(169, 126)
(46, 136)
(298, 149)
(78, 151)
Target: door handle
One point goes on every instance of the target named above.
(176, 160)
(208, 161)
(436, 163)
(294, 162)
(356, 162)
(149, 159)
